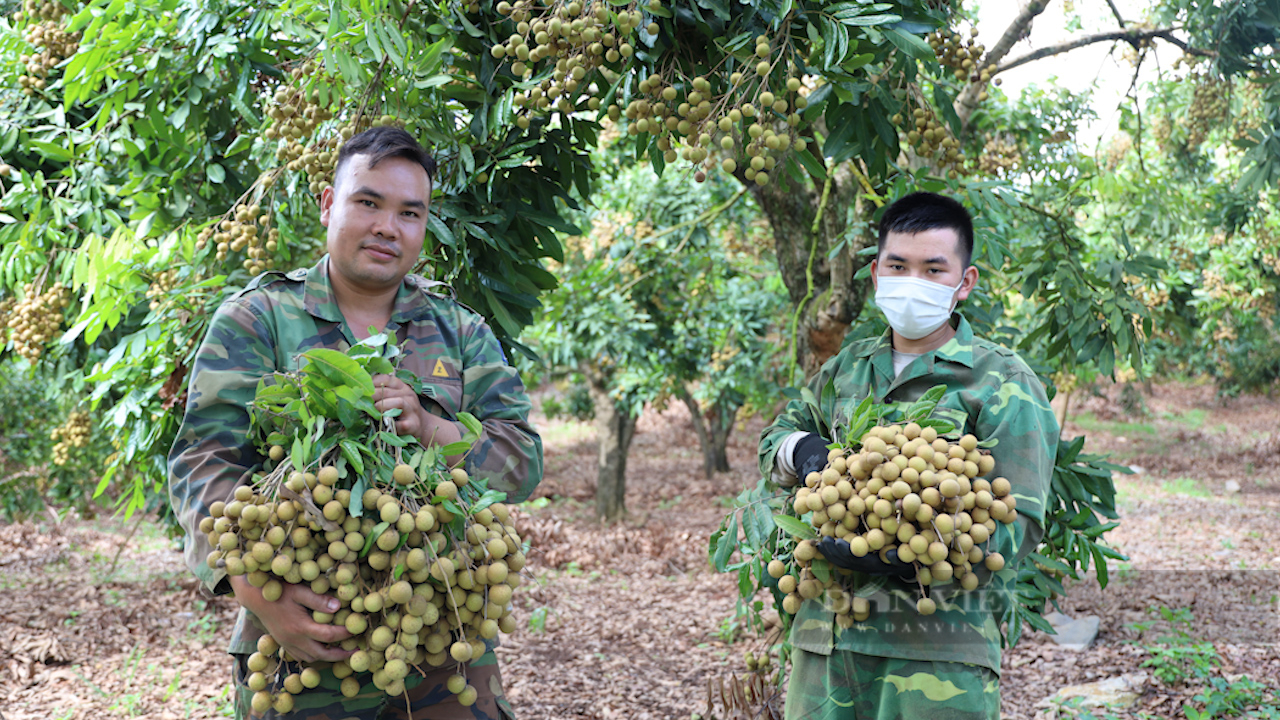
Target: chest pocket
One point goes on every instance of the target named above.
(446, 393)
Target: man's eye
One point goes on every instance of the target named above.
(367, 203)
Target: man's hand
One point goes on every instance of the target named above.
(392, 393)
(837, 553)
(810, 455)
(289, 620)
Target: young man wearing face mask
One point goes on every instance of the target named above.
(897, 663)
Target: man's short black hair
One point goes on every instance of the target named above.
(385, 142)
(921, 211)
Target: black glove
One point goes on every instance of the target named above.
(809, 455)
(837, 553)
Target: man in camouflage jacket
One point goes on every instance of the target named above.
(897, 663)
(375, 217)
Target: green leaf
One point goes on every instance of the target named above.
(297, 453)
(795, 527)
(746, 586)
(812, 165)
(456, 448)
(471, 423)
(393, 440)
(821, 569)
(757, 523)
(216, 173)
(356, 508)
(441, 231)
(910, 44)
(241, 143)
(728, 543)
(374, 534)
(50, 150)
(923, 407)
(351, 451)
(339, 369)
(488, 498)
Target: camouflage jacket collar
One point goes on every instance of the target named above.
(411, 298)
(959, 349)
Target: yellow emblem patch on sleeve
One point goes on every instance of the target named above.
(439, 370)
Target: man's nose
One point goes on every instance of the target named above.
(384, 225)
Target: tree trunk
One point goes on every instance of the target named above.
(835, 299)
(712, 431)
(721, 423)
(615, 427)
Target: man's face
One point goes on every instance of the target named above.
(932, 255)
(377, 220)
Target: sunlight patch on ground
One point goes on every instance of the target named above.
(561, 433)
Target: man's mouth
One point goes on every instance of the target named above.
(382, 252)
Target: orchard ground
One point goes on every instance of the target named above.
(99, 619)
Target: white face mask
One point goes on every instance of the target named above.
(914, 307)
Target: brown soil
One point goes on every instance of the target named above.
(99, 621)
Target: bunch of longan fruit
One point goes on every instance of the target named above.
(906, 489)
(71, 434)
(36, 318)
(743, 114)
(418, 588)
(46, 33)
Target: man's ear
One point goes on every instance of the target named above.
(875, 281)
(967, 283)
(326, 204)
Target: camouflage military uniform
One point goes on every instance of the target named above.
(265, 327)
(898, 663)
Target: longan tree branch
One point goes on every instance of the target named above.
(1116, 11)
(1132, 36)
(967, 102)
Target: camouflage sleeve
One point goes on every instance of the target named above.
(510, 453)
(1022, 422)
(213, 453)
(795, 417)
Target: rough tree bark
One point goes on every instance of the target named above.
(615, 428)
(712, 428)
(836, 298)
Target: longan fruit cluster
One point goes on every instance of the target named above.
(962, 55)
(71, 434)
(413, 593)
(36, 318)
(297, 114)
(930, 138)
(761, 663)
(246, 228)
(910, 490)
(736, 112)
(1147, 293)
(1000, 156)
(1210, 104)
(53, 43)
(580, 38)
(161, 285)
